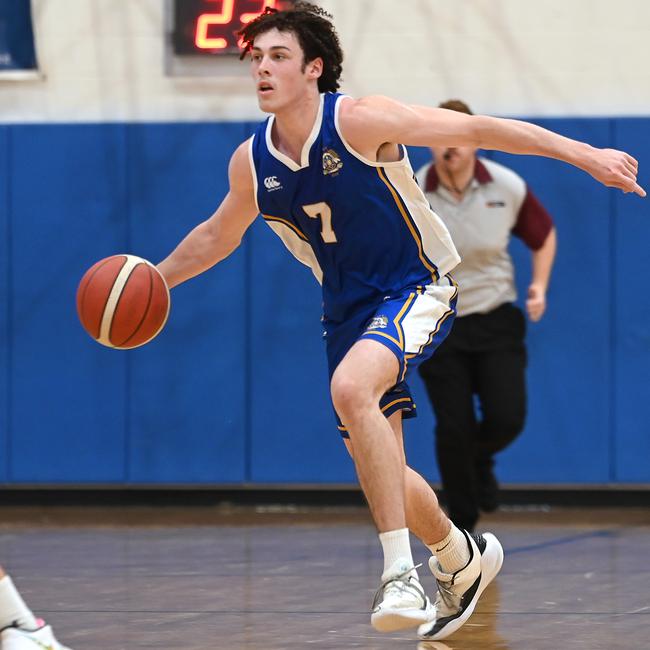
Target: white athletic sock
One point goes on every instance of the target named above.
(452, 551)
(397, 551)
(13, 608)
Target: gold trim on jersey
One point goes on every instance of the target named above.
(293, 227)
(386, 336)
(430, 266)
(384, 409)
(395, 401)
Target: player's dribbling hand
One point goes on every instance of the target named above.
(616, 169)
(536, 303)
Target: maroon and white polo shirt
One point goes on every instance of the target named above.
(496, 205)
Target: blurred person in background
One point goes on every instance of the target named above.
(482, 204)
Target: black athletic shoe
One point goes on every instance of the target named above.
(459, 592)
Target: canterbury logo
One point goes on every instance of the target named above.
(272, 183)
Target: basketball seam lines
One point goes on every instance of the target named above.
(113, 298)
(146, 310)
(85, 290)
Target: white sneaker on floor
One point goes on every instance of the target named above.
(15, 638)
(400, 601)
(459, 592)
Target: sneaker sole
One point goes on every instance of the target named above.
(489, 571)
(392, 620)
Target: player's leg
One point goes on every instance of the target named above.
(19, 629)
(463, 564)
(366, 373)
(501, 387)
(368, 370)
(448, 377)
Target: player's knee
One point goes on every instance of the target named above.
(348, 396)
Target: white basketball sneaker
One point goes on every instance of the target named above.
(459, 592)
(15, 638)
(400, 601)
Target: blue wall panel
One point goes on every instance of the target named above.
(569, 360)
(235, 388)
(67, 210)
(187, 407)
(5, 304)
(293, 430)
(631, 312)
(569, 371)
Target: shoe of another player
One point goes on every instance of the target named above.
(15, 638)
(459, 592)
(400, 601)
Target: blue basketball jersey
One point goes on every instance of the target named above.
(365, 228)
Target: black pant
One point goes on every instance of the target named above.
(483, 356)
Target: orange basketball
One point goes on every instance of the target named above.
(123, 301)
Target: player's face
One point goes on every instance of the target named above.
(455, 159)
(278, 71)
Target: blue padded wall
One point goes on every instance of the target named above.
(5, 303)
(235, 388)
(186, 398)
(68, 200)
(293, 429)
(562, 420)
(631, 314)
(569, 410)
(567, 435)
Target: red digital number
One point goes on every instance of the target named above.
(203, 23)
(203, 41)
(246, 18)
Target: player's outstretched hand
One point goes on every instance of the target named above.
(616, 169)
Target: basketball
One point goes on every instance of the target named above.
(123, 301)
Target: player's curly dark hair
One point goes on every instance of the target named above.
(314, 31)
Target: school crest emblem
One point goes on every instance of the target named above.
(378, 323)
(331, 162)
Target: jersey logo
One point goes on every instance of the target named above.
(495, 204)
(331, 162)
(272, 183)
(378, 323)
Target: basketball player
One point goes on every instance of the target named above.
(331, 177)
(19, 629)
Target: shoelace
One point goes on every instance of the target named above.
(8, 627)
(398, 583)
(447, 596)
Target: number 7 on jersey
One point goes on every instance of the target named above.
(323, 212)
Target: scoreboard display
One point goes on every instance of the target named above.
(211, 26)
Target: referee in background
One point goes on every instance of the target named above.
(482, 204)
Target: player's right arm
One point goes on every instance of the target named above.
(371, 123)
(214, 239)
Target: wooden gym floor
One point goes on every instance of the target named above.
(282, 579)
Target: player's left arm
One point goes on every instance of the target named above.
(371, 122)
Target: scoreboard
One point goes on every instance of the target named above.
(211, 26)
